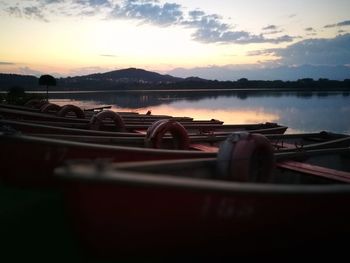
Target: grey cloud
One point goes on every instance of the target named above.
(34, 12)
(270, 27)
(88, 70)
(344, 23)
(208, 35)
(52, 1)
(237, 37)
(29, 71)
(202, 21)
(94, 3)
(235, 72)
(88, 13)
(149, 12)
(6, 63)
(27, 12)
(207, 28)
(195, 14)
(211, 29)
(14, 11)
(108, 55)
(310, 29)
(273, 32)
(334, 51)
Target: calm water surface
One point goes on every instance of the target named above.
(300, 111)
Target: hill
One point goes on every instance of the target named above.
(130, 75)
(10, 80)
(140, 79)
(108, 80)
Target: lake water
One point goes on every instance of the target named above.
(300, 111)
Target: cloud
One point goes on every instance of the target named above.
(34, 12)
(52, 1)
(344, 23)
(207, 28)
(93, 3)
(211, 29)
(321, 51)
(6, 63)
(108, 55)
(270, 27)
(235, 72)
(30, 12)
(41, 9)
(87, 70)
(28, 71)
(14, 11)
(149, 12)
(309, 29)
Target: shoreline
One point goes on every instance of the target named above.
(186, 90)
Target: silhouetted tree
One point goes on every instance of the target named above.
(15, 95)
(47, 80)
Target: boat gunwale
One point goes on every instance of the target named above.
(120, 175)
(35, 140)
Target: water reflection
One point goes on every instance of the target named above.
(301, 111)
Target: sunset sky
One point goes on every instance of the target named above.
(77, 37)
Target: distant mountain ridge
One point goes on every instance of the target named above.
(123, 77)
(140, 79)
(130, 75)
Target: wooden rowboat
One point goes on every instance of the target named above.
(188, 206)
(209, 143)
(35, 127)
(41, 154)
(111, 121)
(29, 160)
(88, 112)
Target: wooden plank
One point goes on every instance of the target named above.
(315, 170)
(204, 148)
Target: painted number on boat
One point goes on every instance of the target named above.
(227, 208)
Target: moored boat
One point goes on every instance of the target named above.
(191, 205)
(112, 121)
(42, 127)
(40, 154)
(202, 142)
(29, 160)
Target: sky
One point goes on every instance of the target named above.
(222, 39)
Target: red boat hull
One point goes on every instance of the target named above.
(27, 160)
(114, 220)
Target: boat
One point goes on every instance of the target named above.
(29, 160)
(72, 113)
(30, 127)
(39, 154)
(170, 134)
(53, 109)
(111, 121)
(209, 143)
(227, 205)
